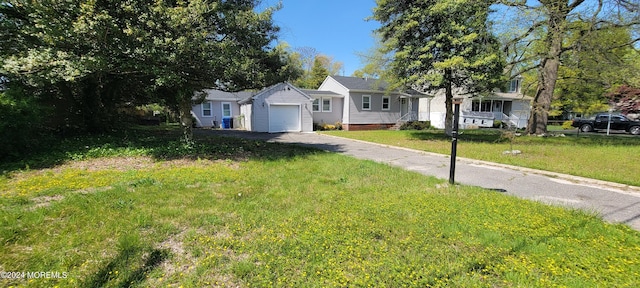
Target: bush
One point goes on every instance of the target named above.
(566, 125)
(20, 123)
(416, 125)
(325, 127)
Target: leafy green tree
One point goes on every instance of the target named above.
(318, 73)
(600, 63)
(376, 62)
(441, 44)
(322, 67)
(545, 30)
(98, 54)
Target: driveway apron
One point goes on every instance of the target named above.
(614, 202)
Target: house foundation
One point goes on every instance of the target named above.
(362, 127)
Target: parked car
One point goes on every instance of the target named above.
(601, 121)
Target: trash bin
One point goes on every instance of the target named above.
(226, 123)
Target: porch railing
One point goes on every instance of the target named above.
(411, 116)
(511, 120)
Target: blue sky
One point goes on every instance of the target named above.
(335, 28)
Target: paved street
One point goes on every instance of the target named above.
(614, 202)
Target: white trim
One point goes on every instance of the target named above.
(285, 104)
(369, 102)
(388, 103)
(330, 104)
(230, 109)
(314, 104)
(210, 109)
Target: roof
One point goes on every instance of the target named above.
(227, 96)
(368, 84)
(357, 83)
(270, 88)
(505, 96)
(312, 92)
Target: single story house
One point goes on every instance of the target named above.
(355, 103)
(366, 103)
(218, 105)
(279, 108)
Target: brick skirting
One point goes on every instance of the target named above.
(358, 127)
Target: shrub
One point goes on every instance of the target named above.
(416, 125)
(325, 127)
(497, 123)
(20, 123)
(566, 125)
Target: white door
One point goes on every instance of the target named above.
(284, 118)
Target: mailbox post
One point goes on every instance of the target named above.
(454, 138)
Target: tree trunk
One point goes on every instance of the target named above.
(547, 76)
(186, 122)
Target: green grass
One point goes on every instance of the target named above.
(593, 156)
(270, 215)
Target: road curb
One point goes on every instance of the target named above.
(617, 187)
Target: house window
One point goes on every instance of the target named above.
(366, 102)
(386, 102)
(206, 109)
(316, 105)
(226, 109)
(480, 106)
(514, 85)
(326, 104)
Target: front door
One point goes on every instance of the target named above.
(226, 110)
(404, 106)
(506, 109)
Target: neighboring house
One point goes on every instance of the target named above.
(366, 103)
(511, 107)
(279, 108)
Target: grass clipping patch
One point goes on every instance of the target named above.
(309, 219)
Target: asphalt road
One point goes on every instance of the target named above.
(614, 202)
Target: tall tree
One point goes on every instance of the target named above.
(318, 74)
(375, 61)
(441, 44)
(542, 39)
(322, 66)
(595, 67)
(100, 53)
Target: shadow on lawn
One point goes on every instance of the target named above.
(124, 259)
(160, 143)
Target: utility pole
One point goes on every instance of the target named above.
(454, 139)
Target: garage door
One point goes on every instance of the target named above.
(284, 118)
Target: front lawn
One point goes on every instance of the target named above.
(612, 158)
(149, 212)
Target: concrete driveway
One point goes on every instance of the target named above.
(614, 202)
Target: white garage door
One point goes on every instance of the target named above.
(284, 118)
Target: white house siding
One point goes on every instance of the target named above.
(278, 95)
(216, 109)
(259, 116)
(332, 117)
(376, 115)
(332, 85)
(433, 109)
(245, 112)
